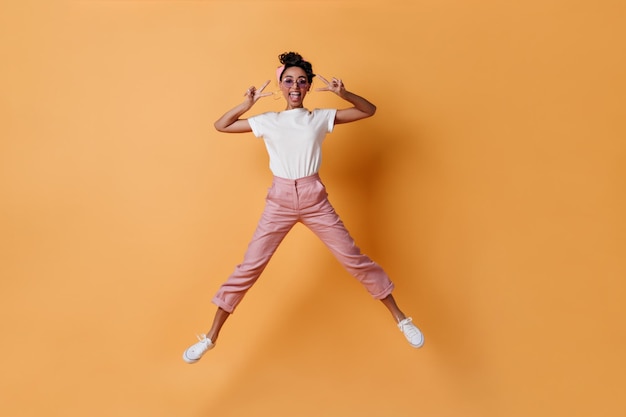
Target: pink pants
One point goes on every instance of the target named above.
(288, 202)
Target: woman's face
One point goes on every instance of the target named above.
(294, 86)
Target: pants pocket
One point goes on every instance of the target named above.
(313, 194)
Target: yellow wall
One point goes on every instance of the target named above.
(490, 185)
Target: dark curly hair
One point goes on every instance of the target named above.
(294, 59)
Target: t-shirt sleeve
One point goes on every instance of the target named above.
(331, 119)
(256, 124)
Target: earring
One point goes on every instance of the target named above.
(276, 95)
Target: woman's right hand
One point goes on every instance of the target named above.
(230, 122)
(253, 94)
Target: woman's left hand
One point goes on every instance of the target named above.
(336, 86)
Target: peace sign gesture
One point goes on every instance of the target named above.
(253, 95)
(336, 86)
(361, 107)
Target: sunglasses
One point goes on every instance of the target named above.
(301, 82)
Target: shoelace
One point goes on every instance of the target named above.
(410, 331)
(202, 338)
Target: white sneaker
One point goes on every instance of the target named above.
(411, 332)
(195, 352)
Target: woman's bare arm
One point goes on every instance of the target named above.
(231, 121)
(361, 109)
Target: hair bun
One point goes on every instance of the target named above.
(290, 58)
(294, 59)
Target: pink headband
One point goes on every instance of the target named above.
(279, 71)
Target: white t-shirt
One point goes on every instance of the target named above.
(293, 139)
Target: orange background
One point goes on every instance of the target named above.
(490, 185)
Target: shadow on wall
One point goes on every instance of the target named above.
(399, 204)
(356, 160)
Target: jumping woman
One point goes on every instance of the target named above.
(293, 138)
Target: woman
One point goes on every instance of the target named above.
(293, 139)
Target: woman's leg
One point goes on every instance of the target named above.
(413, 335)
(274, 224)
(272, 228)
(276, 221)
(393, 308)
(326, 224)
(218, 321)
